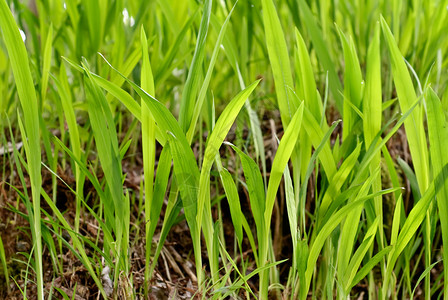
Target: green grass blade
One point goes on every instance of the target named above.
(234, 203)
(31, 136)
(321, 49)
(214, 141)
(326, 230)
(438, 139)
(406, 96)
(279, 61)
(254, 182)
(148, 149)
(4, 264)
(282, 156)
(352, 85)
(316, 134)
(189, 94)
(369, 265)
(208, 75)
(187, 176)
(307, 91)
(356, 259)
(281, 159)
(46, 63)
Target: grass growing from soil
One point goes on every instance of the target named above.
(267, 149)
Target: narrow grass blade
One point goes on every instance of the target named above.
(214, 141)
(234, 202)
(307, 91)
(279, 61)
(148, 149)
(4, 264)
(46, 63)
(369, 265)
(352, 85)
(254, 182)
(438, 139)
(406, 96)
(70, 118)
(31, 135)
(201, 97)
(356, 259)
(284, 151)
(326, 230)
(321, 49)
(191, 88)
(316, 134)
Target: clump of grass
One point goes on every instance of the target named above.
(289, 187)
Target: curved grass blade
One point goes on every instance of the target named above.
(234, 203)
(284, 151)
(255, 188)
(356, 259)
(321, 49)
(148, 149)
(30, 135)
(201, 97)
(214, 141)
(194, 74)
(279, 61)
(438, 139)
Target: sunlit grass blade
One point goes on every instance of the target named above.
(316, 134)
(414, 128)
(4, 264)
(255, 188)
(369, 265)
(191, 89)
(279, 61)
(69, 113)
(339, 179)
(356, 259)
(284, 151)
(214, 141)
(31, 134)
(46, 63)
(234, 202)
(438, 139)
(321, 49)
(306, 88)
(353, 85)
(202, 92)
(413, 221)
(372, 109)
(407, 96)
(148, 149)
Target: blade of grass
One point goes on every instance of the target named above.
(279, 61)
(438, 139)
(148, 149)
(214, 141)
(194, 74)
(31, 136)
(282, 156)
(321, 49)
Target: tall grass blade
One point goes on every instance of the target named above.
(279, 60)
(30, 135)
(438, 139)
(192, 84)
